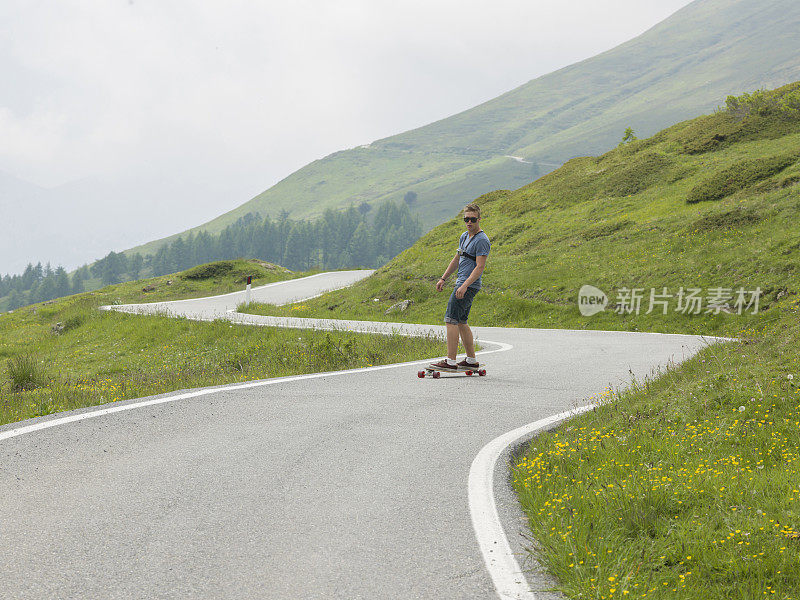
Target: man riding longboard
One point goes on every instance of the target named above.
(470, 260)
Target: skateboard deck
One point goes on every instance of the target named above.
(435, 373)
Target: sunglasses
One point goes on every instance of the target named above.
(470, 219)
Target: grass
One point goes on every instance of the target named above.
(25, 373)
(94, 357)
(221, 277)
(575, 226)
(684, 485)
(224, 277)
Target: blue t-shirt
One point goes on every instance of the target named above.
(477, 246)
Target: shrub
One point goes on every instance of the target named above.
(790, 105)
(628, 136)
(581, 175)
(710, 133)
(605, 229)
(25, 373)
(74, 322)
(210, 270)
(732, 219)
(738, 176)
(754, 116)
(758, 102)
(788, 181)
(637, 174)
(783, 102)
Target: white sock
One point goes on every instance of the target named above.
(472, 361)
(451, 362)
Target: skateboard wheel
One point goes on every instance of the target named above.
(421, 374)
(482, 372)
(436, 374)
(469, 373)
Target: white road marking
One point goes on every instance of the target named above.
(207, 391)
(507, 576)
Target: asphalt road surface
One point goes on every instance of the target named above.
(348, 485)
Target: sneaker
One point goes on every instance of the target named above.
(467, 366)
(443, 365)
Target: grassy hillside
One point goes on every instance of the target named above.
(204, 280)
(712, 202)
(682, 67)
(66, 354)
(684, 485)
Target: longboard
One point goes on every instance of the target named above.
(431, 372)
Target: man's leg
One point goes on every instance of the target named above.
(466, 338)
(452, 340)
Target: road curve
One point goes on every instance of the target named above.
(339, 485)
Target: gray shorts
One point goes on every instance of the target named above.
(458, 309)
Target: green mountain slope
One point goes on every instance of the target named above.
(684, 66)
(707, 203)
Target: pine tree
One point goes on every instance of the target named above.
(361, 246)
(135, 264)
(78, 277)
(15, 299)
(47, 290)
(295, 254)
(61, 279)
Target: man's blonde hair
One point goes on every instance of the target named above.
(473, 208)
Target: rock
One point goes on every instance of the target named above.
(58, 328)
(149, 288)
(169, 282)
(399, 307)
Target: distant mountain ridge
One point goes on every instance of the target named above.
(710, 203)
(684, 66)
(60, 225)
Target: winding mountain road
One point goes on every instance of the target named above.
(356, 484)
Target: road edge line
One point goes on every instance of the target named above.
(175, 396)
(508, 578)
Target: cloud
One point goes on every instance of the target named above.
(250, 91)
(32, 138)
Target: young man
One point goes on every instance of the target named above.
(470, 260)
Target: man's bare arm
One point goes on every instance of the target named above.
(450, 268)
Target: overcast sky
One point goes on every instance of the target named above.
(227, 98)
